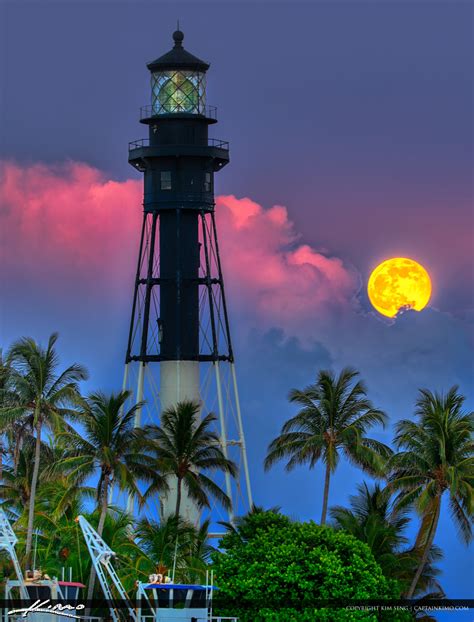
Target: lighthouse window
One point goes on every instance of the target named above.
(207, 182)
(178, 92)
(166, 180)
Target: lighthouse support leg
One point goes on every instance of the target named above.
(223, 434)
(124, 388)
(243, 448)
(140, 384)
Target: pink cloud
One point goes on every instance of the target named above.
(69, 223)
(275, 276)
(66, 221)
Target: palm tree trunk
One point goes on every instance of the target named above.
(426, 551)
(34, 482)
(100, 528)
(178, 497)
(16, 457)
(326, 494)
(18, 441)
(103, 511)
(178, 507)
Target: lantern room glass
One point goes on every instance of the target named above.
(178, 91)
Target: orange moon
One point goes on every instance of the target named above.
(399, 283)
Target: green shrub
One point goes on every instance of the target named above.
(274, 570)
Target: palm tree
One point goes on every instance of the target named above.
(335, 416)
(5, 375)
(199, 552)
(370, 519)
(14, 432)
(15, 487)
(43, 398)
(158, 542)
(109, 445)
(61, 492)
(60, 500)
(60, 542)
(436, 457)
(58, 496)
(185, 448)
(174, 543)
(374, 519)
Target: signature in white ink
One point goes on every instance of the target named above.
(43, 607)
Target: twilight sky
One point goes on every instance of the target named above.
(351, 135)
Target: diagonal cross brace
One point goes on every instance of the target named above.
(102, 555)
(8, 541)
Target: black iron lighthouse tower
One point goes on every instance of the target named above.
(179, 322)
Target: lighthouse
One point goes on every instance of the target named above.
(179, 342)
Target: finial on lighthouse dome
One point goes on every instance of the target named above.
(178, 37)
(177, 58)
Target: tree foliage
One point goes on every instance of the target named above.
(435, 459)
(334, 418)
(274, 570)
(188, 450)
(374, 519)
(44, 398)
(61, 454)
(173, 537)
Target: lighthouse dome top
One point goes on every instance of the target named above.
(178, 58)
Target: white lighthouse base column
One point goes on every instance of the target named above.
(179, 381)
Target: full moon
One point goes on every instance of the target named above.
(399, 283)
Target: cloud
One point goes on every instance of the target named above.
(71, 224)
(282, 282)
(69, 244)
(67, 223)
